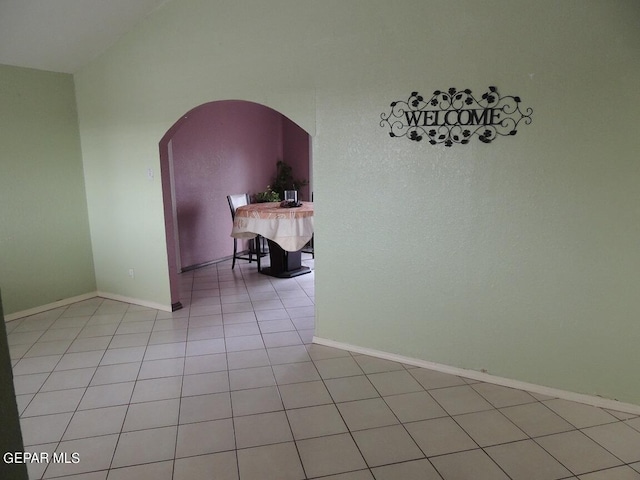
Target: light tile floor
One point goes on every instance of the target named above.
(231, 387)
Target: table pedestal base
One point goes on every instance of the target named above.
(284, 264)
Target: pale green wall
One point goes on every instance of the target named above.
(45, 249)
(520, 257)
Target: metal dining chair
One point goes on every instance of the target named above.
(236, 201)
(308, 248)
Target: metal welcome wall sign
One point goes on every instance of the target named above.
(456, 116)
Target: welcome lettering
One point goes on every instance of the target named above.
(438, 118)
(453, 116)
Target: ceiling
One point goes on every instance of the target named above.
(64, 35)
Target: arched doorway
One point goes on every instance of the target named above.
(216, 149)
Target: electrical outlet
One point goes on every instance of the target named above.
(132, 273)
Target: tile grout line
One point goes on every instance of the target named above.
(246, 279)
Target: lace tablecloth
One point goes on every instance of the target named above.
(291, 228)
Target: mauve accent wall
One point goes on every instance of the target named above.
(221, 148)
(296, 151)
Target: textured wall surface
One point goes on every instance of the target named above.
(519, 257)
(45, 249)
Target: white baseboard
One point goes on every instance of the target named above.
(49, 306)
(485, 377)
(135, 301)
(79, 298)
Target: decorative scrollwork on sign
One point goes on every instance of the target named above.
(455, 116)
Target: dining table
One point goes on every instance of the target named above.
(287, 230)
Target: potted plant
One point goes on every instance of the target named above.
(269, 195)
(284, 179)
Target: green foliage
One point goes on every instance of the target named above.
(284, 179)
(267, 196)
